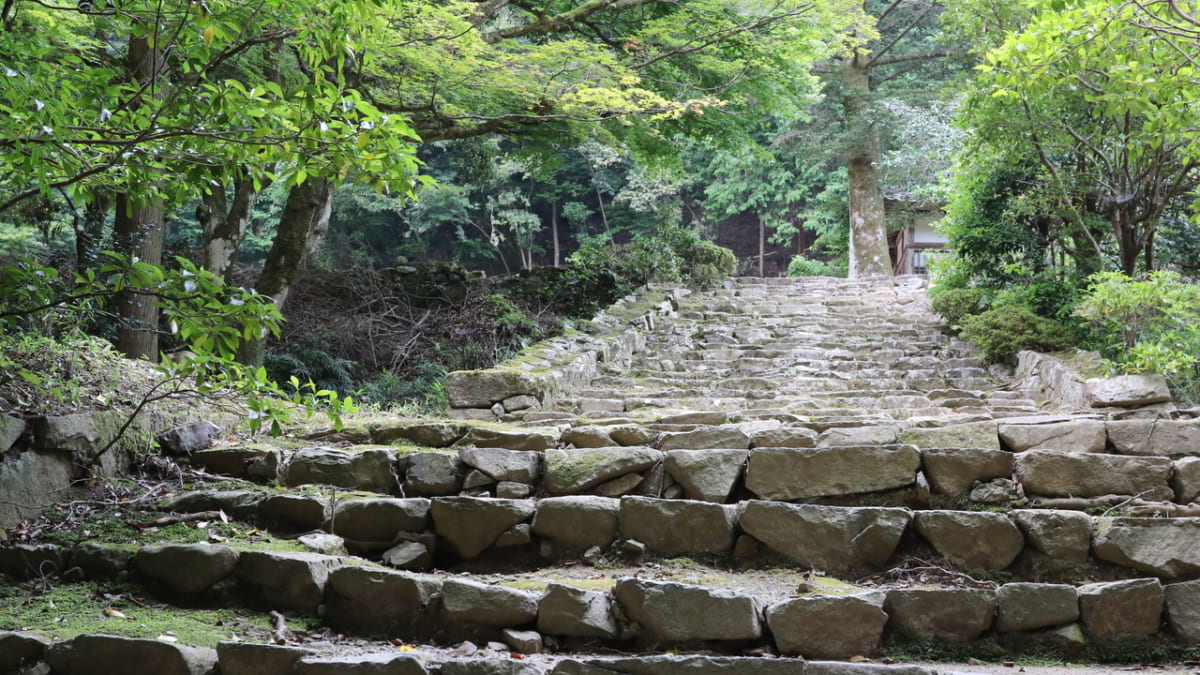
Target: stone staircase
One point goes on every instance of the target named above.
(780, 476)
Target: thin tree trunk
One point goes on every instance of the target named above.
(868, 227)
(89, 230)
(554, 232)
(762, 248)
(304, 220)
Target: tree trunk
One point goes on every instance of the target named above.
(554, 232)
(138, 232)
(762, 248)
(138, 227)
(224, 225)
(868, 228)
(304, 220)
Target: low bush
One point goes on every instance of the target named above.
(1001, 332)
(955, 305)
(801, 266)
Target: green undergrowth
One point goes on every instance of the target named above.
(64, 610)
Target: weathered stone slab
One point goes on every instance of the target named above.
(528, 439)
(500, 464)
(1183, 609)
(482, 388)
(678, 526)
(298, 512)
(18, 650)
(11, 429)
(693, 665)
(1074, 436)
(671, 612)
(1050, 473)
(972, 435)
(241, 504)
(882, 434)
(706, 475)
(828, 627)
(375, 602)
(972, 540)
(427, 434)
(89, 654)
(952, 471)
(1161, 438)
(367, 469)
(575, 470)
(1127, 390)
(31, 481)
(285, 581)
(790, 473)
(252, 462)
(579, 521)
(953, 614)
(564, 610)
(588, 437)
(722, 437)
(1185, 479)
(388, 663)
(31, 561)
(248, 658)
(493, 666)
(433, 474)
(464, 600)
(784, 437)
(1063, 535)
(471, 525)
(101, 560)
(378, 521)
(186, 568)
(1121, 609)
(1029, 606)
(1165, 547)
(839, 540)
(188, 438)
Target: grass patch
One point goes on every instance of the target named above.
(65, 610)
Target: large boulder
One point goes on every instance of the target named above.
(1162, 438)
(1030, 606)
(678, 526)
(186, 568)
(31, 481)
(1165, 547)
(670, 612)
(801, 473)
(828, 627)
(294, 511)
(376, 602)
(18, 650)
(578, 521)
(972, 540)
(1121, 609)
(574, 470)
(953, 614)
(1073, 436)
(482, 388)
(188, 438)
(839, 540)
(471, 525)
(487, 604)
(1059, 534)
(706, 475)
(371, 469)
(425, 434)
(574, 612)
(89, 654)
(253, 462)
(1050, 473)
(952, 471)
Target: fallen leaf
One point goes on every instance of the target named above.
(114, 613)
(168, 638)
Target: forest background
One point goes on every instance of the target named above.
(423, 186)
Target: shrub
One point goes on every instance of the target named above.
(1003, 331)
(800, 266)
(955, 305)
